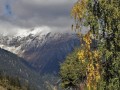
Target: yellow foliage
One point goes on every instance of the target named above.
(96, 54)
(93, 67)
(87, 39)
(86, 54)
(79, 9)
(81, 56)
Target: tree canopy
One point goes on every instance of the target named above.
(103, 61)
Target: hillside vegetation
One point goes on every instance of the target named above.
(13, 66)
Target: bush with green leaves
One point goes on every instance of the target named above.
(72, 71)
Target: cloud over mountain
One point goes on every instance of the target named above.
(54, 14)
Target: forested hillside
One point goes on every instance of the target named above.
(12, 83)
(13, 66)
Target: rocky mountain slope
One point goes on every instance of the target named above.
(44, 50)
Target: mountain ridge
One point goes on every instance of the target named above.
(44, 51)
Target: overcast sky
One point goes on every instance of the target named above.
(26, 14)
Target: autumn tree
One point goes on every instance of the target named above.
(80, 13)
(102, 17)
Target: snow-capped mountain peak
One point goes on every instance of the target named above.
(41, 47)
(35, 31)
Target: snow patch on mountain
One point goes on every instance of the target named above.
(13, 49)
(27, 39)
(38, 37)
(35, 31)
(42, 48)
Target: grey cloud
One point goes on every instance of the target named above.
(31, 13)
